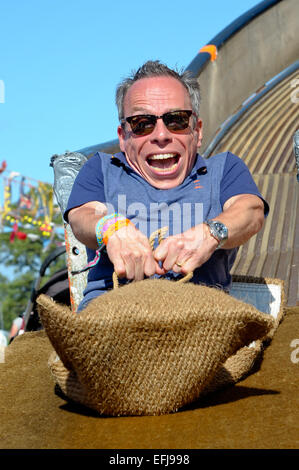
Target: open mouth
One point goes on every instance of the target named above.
(163, 162)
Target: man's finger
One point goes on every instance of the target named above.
(149, 265)
(119, 268)
(161, 251)
(138, 260)
(113, 251)
(160, 271)
(171, 243)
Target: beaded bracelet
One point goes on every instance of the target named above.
(113, 228)
(104, 224)
(99, 227)
(112, 221)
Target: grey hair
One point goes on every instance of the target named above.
(157, 69)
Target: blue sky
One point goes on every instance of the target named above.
(61, 60)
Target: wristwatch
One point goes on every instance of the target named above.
(218, 230)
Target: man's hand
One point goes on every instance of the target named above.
(187, 251)
(131, 254)
(128, 249)
(242, 214)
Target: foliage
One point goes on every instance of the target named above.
(23, 259)
(30, 228)
(14, 296)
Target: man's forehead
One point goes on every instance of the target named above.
(161, 88)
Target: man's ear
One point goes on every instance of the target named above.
(121, 137)
(198, 128)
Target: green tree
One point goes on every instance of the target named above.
(23, 259)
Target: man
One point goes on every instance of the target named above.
(215, 202)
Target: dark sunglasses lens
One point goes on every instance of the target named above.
(177, 120)
(142, 125)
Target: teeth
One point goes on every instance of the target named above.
(163, 160)
(166, 169)
(162, 156)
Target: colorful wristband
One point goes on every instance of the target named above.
(113, 228)
(111, 222)
(103, 225)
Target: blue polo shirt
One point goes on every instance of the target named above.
(201, 196)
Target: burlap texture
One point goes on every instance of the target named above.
(147, 348)
(242, 363)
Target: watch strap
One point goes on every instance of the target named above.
(213, 231)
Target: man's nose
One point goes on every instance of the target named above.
(160, 133)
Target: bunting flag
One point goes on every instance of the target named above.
(16, 233)
(25, 201)
(7, 195)
(3, 166)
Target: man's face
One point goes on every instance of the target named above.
(162, 158)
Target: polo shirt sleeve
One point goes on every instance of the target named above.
(88, 185)
(237, 179)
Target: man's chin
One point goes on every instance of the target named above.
(164, 182)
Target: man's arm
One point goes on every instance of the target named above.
(242, 214)
(128, 248)
(83, 220)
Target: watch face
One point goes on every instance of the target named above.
(221, 229)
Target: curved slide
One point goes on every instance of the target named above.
(249, 77)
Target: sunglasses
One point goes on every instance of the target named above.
(144, 124)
